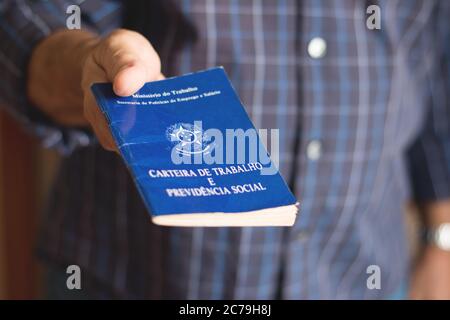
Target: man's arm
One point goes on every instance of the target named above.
(437, 213)
(431, 279)
(25, 24)
(65, 64)
(429, 159)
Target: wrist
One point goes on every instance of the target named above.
(436, 213)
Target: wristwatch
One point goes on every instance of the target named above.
(439, 236)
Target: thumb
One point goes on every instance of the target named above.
(128, 60)
(130, 78)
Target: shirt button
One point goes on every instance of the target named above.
(314, 150)
(317, 48)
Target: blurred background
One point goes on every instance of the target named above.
(26, 172)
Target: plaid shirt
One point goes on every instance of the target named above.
(373, 115)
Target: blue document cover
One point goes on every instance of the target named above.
(194, 154)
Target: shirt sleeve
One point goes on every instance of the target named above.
(23, 23)
(429, 155)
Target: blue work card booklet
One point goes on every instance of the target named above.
(194, 154)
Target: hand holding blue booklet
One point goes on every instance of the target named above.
(194, 154)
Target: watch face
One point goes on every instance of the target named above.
(442, 236)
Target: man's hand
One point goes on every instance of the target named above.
(431, 279)
(65, 65)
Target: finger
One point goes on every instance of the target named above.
(129, 61)
(92, 112)
(98, 123)
(130, 79)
